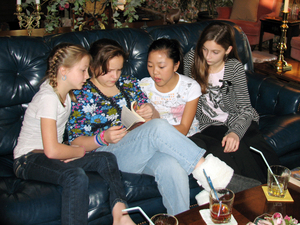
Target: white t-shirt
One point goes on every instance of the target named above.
(212, 101)
(171, 105)
(45, 104)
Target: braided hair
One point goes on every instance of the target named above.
(67, 55)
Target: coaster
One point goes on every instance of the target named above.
(287, 197)
(205, 213)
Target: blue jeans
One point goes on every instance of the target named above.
(73, 179)
(158, 149)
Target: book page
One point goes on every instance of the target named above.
(130, 118)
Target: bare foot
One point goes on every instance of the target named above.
(119, 217)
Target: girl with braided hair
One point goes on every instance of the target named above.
(40, 154)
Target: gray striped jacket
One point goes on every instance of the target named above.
(235, 98)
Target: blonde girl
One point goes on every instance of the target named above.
(40, 154)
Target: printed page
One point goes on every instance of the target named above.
(130, 118)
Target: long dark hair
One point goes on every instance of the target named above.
(222, 34)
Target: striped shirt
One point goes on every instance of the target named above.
(235, 98)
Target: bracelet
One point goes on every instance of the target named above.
(102, 138)
(96, 140)
(99, 139)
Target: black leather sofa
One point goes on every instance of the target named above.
(23, 65)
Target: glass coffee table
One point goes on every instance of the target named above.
(248, 205)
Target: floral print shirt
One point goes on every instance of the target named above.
(93, 112)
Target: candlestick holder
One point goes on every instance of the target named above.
(281, 65)
(29, 22)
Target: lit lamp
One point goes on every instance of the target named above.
(29, 22)
(281, 65)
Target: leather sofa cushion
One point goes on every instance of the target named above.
(279, 132)
(271, 96)
(6, 166)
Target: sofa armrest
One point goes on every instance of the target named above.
(281, 132)
(224, 12)
(270, 96)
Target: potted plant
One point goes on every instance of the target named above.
(87, 11)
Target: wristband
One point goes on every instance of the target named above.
(96, 140)
(102, 138)
(99, 139)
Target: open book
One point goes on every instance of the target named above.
(129, 118)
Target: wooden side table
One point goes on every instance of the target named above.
(272, 25)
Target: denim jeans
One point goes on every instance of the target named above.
(172, 182)
(73, 179)
(158, 149)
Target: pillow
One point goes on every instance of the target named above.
(244, 10)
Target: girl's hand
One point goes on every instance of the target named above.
(231, 142)
(147, 111)
(69, 160)
(114, 134)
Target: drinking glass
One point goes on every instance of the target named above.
(277, 184)
(164, 219)
(221, 210)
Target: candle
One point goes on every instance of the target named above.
(286, 6)
(37, 1)
(18, 2)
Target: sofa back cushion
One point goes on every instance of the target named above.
(22, 66)
(188, 35)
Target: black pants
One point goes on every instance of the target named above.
(72, 177)
(244, 161)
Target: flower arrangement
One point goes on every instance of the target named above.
(275, 219)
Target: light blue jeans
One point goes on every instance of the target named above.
(157, 148)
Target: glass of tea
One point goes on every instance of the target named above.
(164, 219)
(221, 206)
